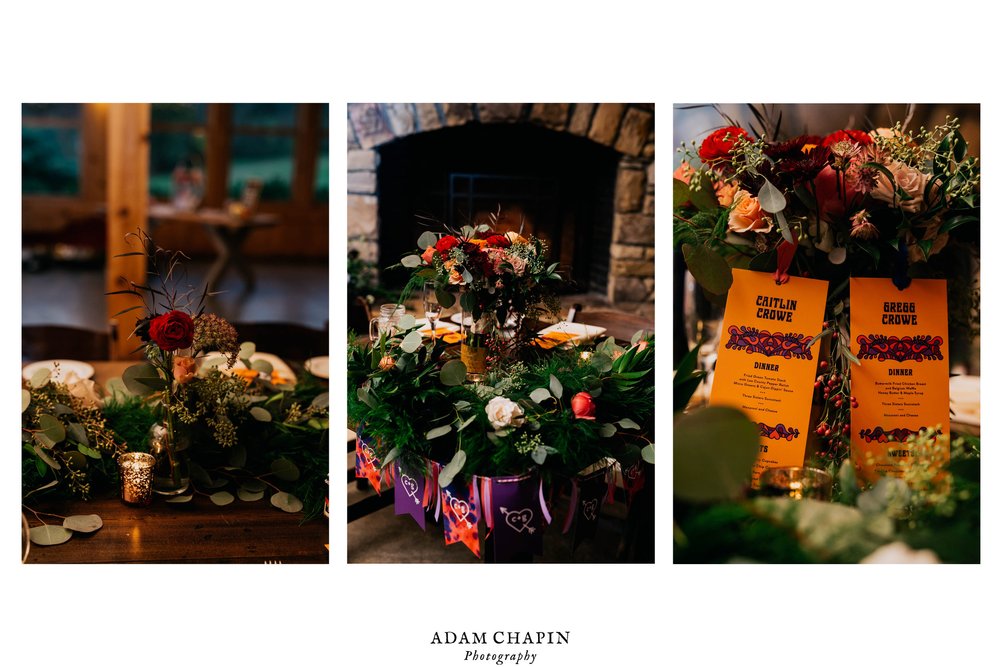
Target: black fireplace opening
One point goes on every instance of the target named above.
(559, 185)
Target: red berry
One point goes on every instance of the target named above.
(823, 365)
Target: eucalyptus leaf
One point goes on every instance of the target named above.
(412, 342)
(284, 469)
(49, 485)
(132, 375)
(555, 386)
(47, 535)
(771, 198)
(260, 414)
(253, 486)
(406, 322)
(52, 428)
(40, 377)
(247, 350)
(180, 499)
(83, 523)
(411, 261)
(628, 423)
(538, 455)
(453, 467)
(25, 399)
(438, 432)
(606, 430)
(427, 239)
(199, 474)
(249, 496)
(453, 373)
(815, 339)
(262, 366)
(540, 395)
(51, 462)
(466, 276)
(78, 433)
(87, 451)
(837, 255)
(321, 401)
(468, 421)
(647, 454)
(714, 453)
(462, 405)
(286, 502)
(222, 498)
(708, 268)
(445, 298)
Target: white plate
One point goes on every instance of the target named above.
(277, 363)
(66, 366)
(580, 332)
(425, 325)
(319, 366)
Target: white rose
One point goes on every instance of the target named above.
(899, 553)
(909, 180)
(84, 389)
(503, 412)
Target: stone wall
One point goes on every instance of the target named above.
(628, 128)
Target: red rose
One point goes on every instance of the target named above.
(172, 331)
(717, 146)
(583, 406)
(446, 243)
(857, 136)
(498, 241)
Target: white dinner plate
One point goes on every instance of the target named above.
(580, 332)
(213, 359)
(65, 367)
(319, 366)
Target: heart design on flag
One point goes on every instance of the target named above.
(590, 509)
(632, 471)
(461, 509)
(368, 452)
(409, 486)
(519, 520)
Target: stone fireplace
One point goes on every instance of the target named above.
(579, 176)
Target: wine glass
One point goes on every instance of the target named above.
(432, 309)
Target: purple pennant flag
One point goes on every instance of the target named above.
(518, 514)
(589, 491)
(409, 494)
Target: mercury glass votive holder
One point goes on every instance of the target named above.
(796, 482)
(136, 472)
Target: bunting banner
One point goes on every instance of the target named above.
(518, 513)
(460, 504)
(586, 502)
(411, 493)
(367, 464)
(900, 338)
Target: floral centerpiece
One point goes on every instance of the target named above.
(887, 202)
(503, 278)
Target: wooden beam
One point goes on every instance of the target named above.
(94, 174)
(306, 146)
(219, 130)
(128, 200)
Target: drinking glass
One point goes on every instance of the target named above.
(385, 323)
(432, 309)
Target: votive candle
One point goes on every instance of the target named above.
(136, 472)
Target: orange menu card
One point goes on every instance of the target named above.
(901, 339)
(765, 367)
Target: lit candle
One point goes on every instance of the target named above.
(796, 482)
(136, 472)
(586, 355)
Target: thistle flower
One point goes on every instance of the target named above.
(862, 227)
(213, 332)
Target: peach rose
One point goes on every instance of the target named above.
(683, 173)
(514, 237)
(747, 215)
(725, 192)
(428, 255)
(184, 369)
(455, 278)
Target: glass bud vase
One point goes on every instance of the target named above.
(475, 343)
(171, 474)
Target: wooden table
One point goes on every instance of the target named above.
(227, 232)
(194, 532)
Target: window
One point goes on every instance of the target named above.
(177, 139)
(321, 186)
(51, 145)
(263, 149)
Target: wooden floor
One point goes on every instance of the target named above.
(295, 293)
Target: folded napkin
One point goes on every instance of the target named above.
(552, 339)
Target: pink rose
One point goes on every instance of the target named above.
(583, 406)
(184, 369)
(747, 215)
